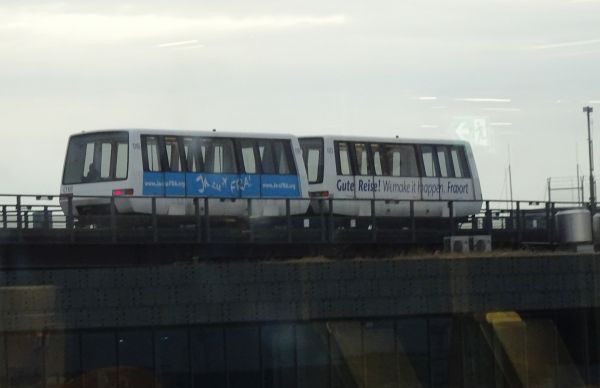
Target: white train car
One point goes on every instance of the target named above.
(392, 172)
(177, 166)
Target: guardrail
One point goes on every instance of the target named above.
(34, 219)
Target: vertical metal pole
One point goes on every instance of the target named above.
(198, 221)
(4, 220)
(588, 110)
(488, 218)
(113, 221)
(548, 226)
(154, 221)
(549, 183)
(330, 227)
(413, 224)
(206, 221)
(322, 219)
(373, 221)
(46, 223)
(248, 215)
(70, 219)
(519, 225)
(288, 220)
(552, 221)
(451, 217)
(19, 221)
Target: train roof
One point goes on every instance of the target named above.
(178, 132)
(386, 139)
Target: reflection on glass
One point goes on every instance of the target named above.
(278, 361)
(243, 360)
(172, 358)
(208, 357)
(98, 358)
(312, 354)
(62, 358)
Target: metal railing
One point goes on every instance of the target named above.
(41, 219)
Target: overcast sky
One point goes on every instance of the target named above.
(516, 72)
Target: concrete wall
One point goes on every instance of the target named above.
(227, 292)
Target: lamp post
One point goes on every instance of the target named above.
(588, 110)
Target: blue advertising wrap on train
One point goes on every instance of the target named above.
(212, 185)
(220, 185)
(154, 184)
(280, 186)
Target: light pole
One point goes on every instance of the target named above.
(588, 110)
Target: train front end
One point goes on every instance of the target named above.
(96, 169)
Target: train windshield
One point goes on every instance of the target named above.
(97, 157)
(312, 153)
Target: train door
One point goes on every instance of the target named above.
(343, 185)
(364, 182)
(396, 177)
(430, 183)
(456, 182)
(153, 176)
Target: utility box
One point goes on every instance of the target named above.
(456, 244)
(481, 243)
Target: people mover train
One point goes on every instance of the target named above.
(177, 166)
(229, 168)
(391, 171)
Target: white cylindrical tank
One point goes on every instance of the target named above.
(574, 226)
(596, 227)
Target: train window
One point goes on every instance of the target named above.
(151, 154)
(121, 161)
(193, 154)
(443, 160)
(219, 156)
(378, 162)
(173, 154)
(343, 163)
(459, 162)
(401, 160)
(282, 152)
(362, 160)
(266, 156)
(428, 160)
(89, 159)
(94, 157)
(248, 156)
(105, 155)
(312, 153)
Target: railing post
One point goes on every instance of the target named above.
(373, 222)
(70, 219)
(413, 223)
(322, 219)
(548, 227)
(4, 219)
(552, 221)
(19, 220)
(330, 225)
(113, 221)
(250, 225)
(288, 218)
(451, 217)
(198, 220)
(519, 224)
(206, 221)
(46, 223)
(154, 221)
(488, 218)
